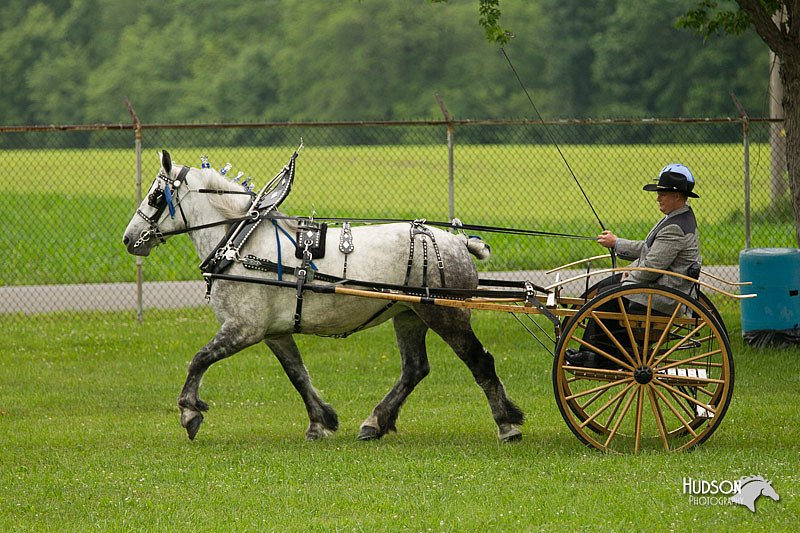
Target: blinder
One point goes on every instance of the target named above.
(161, 200)
(155, 197)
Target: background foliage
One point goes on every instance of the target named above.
(73, 61)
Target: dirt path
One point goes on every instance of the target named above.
(100, 296)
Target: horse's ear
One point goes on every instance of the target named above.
(166, 161)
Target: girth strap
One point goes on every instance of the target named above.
(417, 228)
(265, 265)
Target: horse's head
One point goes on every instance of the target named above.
(156, 215)
(769, 492)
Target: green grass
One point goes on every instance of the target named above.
(91, 440)
(64, 211)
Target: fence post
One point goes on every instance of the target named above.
(746, 141)
(746, 135)
(137, 135)
(450, 174)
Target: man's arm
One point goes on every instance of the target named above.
(628, 249)
(669, 242)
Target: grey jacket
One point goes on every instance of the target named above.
(671, 245)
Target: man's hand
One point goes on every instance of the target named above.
(607, 239)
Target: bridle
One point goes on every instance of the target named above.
(162, 200)
(168, 199)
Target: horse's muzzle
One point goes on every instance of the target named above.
(135, 246)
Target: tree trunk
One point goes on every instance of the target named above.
(790, 75)
(777, 135)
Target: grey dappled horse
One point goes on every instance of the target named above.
(250, 313)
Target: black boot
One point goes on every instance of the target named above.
(589, 359)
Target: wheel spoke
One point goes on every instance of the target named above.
(682, 394)
(598, 388)
(674, 364)
(631, 337)
(608, 403)
(678, 344)
(646, 342)
(682, 405)
(639, 404)
(665, 332)
(594, 398)
(675, 412)
(613, 412)
(620, 418)
(602, 352)
(631, 361)
(659, 416)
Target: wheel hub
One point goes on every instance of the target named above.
(643, 375)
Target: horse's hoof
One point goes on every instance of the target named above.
(512, 434)
(194, 426)
(191, 420)
(316, 432)
(369, 433)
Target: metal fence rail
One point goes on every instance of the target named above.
(67, 192)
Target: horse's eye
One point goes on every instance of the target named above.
(155, 197)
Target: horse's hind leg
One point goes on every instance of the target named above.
(231, 338)
(454, 326)
(322, 417)
(410, 332)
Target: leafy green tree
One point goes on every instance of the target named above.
(66, 61)
(570, 32)
(777, 22)
(23, 40)
(645, 66)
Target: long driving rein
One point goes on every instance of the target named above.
(455, 224)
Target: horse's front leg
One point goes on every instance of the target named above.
(230, 339)
(322, 417)
(410, 332)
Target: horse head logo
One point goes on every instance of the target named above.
(750, 489)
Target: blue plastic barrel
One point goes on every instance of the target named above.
(775, 277)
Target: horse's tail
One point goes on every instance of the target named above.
(478, 248)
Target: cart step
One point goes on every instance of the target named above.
(686, 372)
(701, 373)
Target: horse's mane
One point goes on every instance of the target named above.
(235, 205)
(746, 480)
(229, 205)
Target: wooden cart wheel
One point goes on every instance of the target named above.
(591, 293)
(668, 380)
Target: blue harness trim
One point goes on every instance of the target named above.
(278, 241)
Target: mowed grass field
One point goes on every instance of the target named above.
(90, 439)
(64, 211)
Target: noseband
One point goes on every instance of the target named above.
(161, 200)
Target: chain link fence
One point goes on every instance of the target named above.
(67, 193)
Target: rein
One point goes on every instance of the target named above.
(455, 224)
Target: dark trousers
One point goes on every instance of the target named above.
(595, 335)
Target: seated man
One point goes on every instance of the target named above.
(671, 245)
